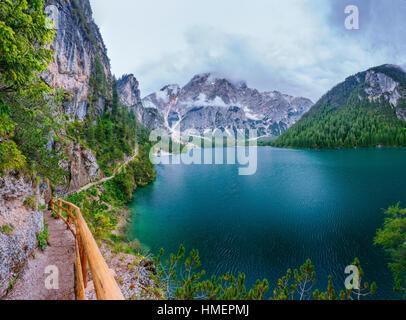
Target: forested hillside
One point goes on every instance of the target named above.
(365, 110)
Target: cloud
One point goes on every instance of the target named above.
(298, 47)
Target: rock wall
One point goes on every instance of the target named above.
(20, 221)
(77, 44)
(128, 90)
(83, 167)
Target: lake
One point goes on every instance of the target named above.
(323, 205)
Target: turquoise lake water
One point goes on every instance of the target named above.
(323, 205)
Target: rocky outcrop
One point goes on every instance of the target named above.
(80, 163)
(20, 221)
(77, 45)
(130, 96)
(379, 84)
(210, 102)
(83, 167)
(128, 88)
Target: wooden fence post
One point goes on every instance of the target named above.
(60, 208)
(69, 216)
(80, 288)
(83, 259)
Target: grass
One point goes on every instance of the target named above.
(7, 229)
(12, 284)
(31, 202)
(43, 237)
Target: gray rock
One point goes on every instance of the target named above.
(128, 88)
(82, 166)
(24, 223)
(50, 144)
(209, 102)
(381, 84)
(77, 43)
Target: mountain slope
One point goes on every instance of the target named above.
(208, 102)
(367, 109)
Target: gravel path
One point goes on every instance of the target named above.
(60, 253)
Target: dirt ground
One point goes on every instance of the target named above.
(60, 254)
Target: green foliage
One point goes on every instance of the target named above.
(392, 238)
(346, 118)
(80, 16)
(364, 288)
(180, 277)
(11, 284)
(296, 285)
(10, 157)
(34, 129)
(31, 202)
(43, 237)
(330, 294)
(26, 115)
(25, 41)
(101, 208)
(111, 136)
(7, 229)
(98, 81)
(139, 172)
(100, 217)
(357, 124)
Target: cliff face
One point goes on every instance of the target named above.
(77, 46)
(130, 96)
(80, 54)
(128, 88)
(20, 221)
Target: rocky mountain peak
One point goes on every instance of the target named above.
(128, 89)
(208, 101)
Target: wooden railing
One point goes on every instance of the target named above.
(87, 253)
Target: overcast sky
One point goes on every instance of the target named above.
(299, 47)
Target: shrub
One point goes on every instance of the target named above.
(7, 229)
(43, 237)
(31, 202)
